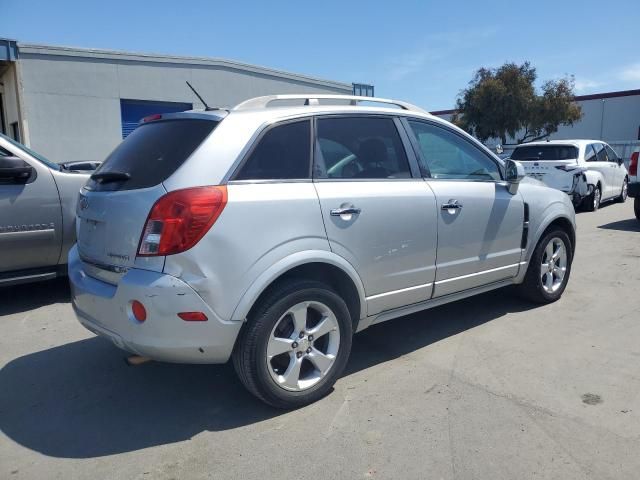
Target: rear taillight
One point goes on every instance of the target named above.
(179, 219)
(633, 164)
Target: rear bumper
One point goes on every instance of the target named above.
(634, 189)
(105, 310)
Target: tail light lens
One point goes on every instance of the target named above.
(179, 219)
(633, 164)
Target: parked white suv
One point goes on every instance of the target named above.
(587, 170)
(271, 234)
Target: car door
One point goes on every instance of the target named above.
(480, 223)
(377, 212)
(601, 165)
(617, 169)
(30, 217)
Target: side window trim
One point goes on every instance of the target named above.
(412, 135)
(411, 158)
(253, 145)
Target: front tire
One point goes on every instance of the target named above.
(549, 268)
(592, 202)
(624, 192)
(295, 344)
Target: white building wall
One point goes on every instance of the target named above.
(72, 98)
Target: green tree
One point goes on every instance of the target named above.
(504, 102)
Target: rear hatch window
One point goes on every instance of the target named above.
(545, 152)
(150, 154)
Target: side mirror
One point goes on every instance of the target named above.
(15, 170)
(514, 173)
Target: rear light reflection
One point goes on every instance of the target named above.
(193, 316)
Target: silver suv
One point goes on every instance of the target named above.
(273, 231)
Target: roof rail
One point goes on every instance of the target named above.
(263, 102)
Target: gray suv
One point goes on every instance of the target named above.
(37, 212)
(271, 232)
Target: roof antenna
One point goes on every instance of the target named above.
(206, 107)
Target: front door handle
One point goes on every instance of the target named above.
(452, 204)
(336, 212)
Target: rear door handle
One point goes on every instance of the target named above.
(451, 204)
(336, 212)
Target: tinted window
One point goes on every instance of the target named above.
(545, 152)
(589, 154)
(447, 155)
(283, 152)
(152, 152)
(600, 152)
(360, 147)
(613, 157)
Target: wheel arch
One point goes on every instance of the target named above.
(326, 267)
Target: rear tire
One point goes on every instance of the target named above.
(542, 283)
(636, 207)
(295, 344)
(624, 192)
(592, 202)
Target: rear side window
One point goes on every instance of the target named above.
(589, 154)
(360, 147)
(545, 152)
(283, 153)
(152, 152)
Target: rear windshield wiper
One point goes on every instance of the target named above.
(106, 177)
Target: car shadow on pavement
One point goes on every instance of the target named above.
(81, 400)
(22, 298)
(629, 225)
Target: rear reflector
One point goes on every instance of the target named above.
(633, 164)
(138, 310)
(179, 219)
(193, 316)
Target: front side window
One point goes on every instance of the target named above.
(359, 148)
(613, 157)
(447, 155)
(590, 154)
(283, 153)
(601, 155)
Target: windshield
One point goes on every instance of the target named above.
(545, 152)
(35, 155)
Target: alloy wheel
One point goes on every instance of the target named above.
(303, 346)
(554, 265)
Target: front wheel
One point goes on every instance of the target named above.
(624, 192)
(295, 344)
(592, 202)
(549, 268)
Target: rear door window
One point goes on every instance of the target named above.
(152, 152)
(359, 148)
(283, 153)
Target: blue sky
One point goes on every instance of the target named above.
(423, 52)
